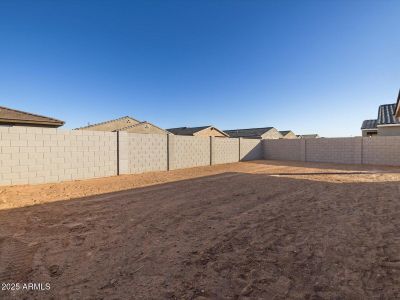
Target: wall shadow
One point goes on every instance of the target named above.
(212, 236)
(255, 153)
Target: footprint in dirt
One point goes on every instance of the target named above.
(55, 271)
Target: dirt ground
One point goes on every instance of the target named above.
(255, 230)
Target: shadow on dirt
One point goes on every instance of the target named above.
(229, 235)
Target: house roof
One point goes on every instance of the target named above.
(308, 136)
(369, 124)
(9, 115)
(397, 109)
(386, 114)
(187, 130)
(139, 124)
(285, 132)
(109, 121)
(192, 130)
(248, 132)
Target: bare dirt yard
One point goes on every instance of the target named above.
(255, 230)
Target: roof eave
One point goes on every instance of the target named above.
(18, 121)
(397, 109)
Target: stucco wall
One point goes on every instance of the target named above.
(39, 155)
(367, 133)
(290, 135)
(209, 132)
(146, 128)
(389, 131)
(111, 125)
(224, 150)
(273, 133)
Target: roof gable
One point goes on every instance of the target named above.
(119, 123)
(141, 124)
(9, 115)
(286, 132)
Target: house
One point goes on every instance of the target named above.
(369, 128)
(288, 134)
(127, 124)
(308, 136)
(13, 117)
(397, 109)
(387, 123)
(144, 127)
(198, 131)
(255, 133)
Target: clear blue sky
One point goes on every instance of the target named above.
(309, 66)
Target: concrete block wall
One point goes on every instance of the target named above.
(357, 150)
(334, 150)
(188, 151)
(147, 152)
(285, 149)
(251, 149)
(224, 150)
(31, 155)
(383, 150)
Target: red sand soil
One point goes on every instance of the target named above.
(255, 230)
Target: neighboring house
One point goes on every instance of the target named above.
(144, 127)
(198, 131)
(369, 128)
(255, 133)
(288, 134)
(13, 117)
(308, 136)
(127, 124)
(397, 109)
(387, 123)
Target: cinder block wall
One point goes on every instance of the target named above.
(41, 155)
(357, 150)
(284, 149)
(251, 149)
(188, 151)
(224, 150)
(383, 150)
(146, 152)
(334, 150)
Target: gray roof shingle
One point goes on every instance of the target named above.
(386, 114)
(249, 132)
(187, 130)
(369, 124)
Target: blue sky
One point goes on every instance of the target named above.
(309, 66)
